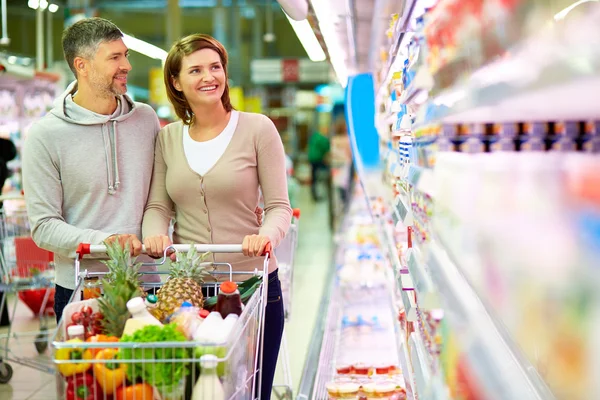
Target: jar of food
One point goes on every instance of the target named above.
(92, 288)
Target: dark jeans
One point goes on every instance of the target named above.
(61, 299)
(274, 320)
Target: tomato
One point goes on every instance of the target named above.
(87, 311)
(77, 317)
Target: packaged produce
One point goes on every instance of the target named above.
(187, 318)
(208, 386)
(110, 375)
(90, 320)
(228, 300)
(83, 387)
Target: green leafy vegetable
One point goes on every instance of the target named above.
(158, 366)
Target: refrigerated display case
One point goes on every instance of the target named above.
(486, 192)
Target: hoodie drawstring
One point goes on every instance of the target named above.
(110, 150)
(116, 156)
(107, 152)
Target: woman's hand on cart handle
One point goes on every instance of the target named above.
(135, 245)
(155, 245)
(256, 245)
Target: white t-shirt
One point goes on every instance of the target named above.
(202, 156)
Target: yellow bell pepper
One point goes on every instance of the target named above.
(72, 368)
(110, 375)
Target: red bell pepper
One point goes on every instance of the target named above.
(83, 387)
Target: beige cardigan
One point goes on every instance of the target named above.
(218, 208)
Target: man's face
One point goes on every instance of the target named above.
(109, 69)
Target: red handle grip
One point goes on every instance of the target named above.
(82, 250)
(268, 249)
(296, 213)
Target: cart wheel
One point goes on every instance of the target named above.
(41, 343)
(6, 372)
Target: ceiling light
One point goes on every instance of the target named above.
(43, 4)
(561, 15)
(308, 39)
(53, 8)
(144, 48)
(33, 4)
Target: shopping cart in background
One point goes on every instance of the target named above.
(286, 255)
(239, 358)
(27, 273)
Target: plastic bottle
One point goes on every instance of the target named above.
(208, 386)
(76, 332)
(229, 301)
(209, 330)
(228, 325)
(140, 316)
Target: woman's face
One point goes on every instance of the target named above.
(202, 78)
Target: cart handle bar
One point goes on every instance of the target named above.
(86, 248)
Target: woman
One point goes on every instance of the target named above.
(208, 170)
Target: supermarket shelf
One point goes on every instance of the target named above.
(427, 380)
(407, 370)
(401, 26)
(502, 371)
(427, 296)
(422, 179)
(560, 64)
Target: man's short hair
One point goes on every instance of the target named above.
(83, 38)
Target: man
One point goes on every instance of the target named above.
(318, 148)
(87, 164)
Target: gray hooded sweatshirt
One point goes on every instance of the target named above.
(86, 177)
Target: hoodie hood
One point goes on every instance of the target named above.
(66, 109)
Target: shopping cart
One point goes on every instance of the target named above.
(286, 254)
(240, 358)
(27, 273)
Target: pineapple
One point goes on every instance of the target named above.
(186, 276)
(120, 285)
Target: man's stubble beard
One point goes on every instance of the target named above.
(104, 89)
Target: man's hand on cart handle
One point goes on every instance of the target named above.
(127, 240)
(255, 245)
(155, 246)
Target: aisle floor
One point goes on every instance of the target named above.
(313, 259)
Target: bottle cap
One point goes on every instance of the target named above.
(204, 313)
(186, 304)
(228, 287)
(152, 298)
(75, 330)
(209, 361)
(136, 305)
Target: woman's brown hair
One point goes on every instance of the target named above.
(184, 47)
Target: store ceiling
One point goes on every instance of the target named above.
(354, 31)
